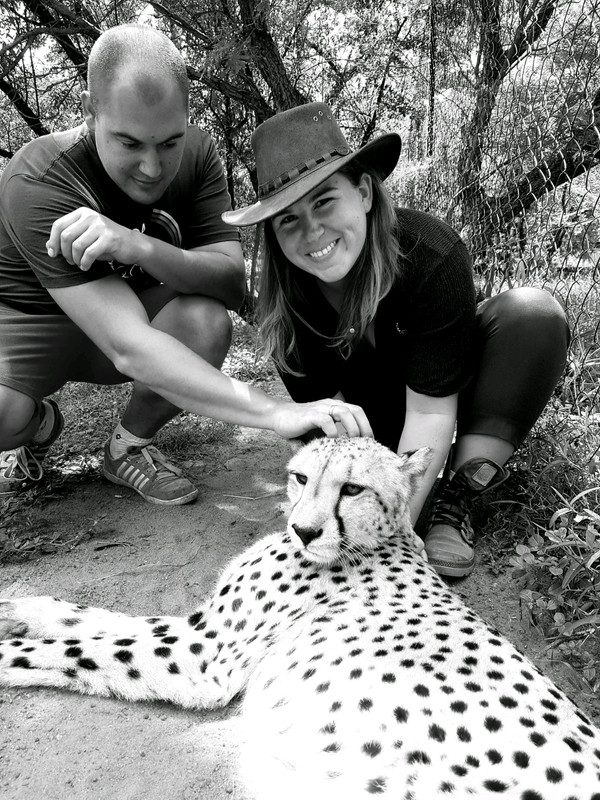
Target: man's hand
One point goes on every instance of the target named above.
(85, 236)
(333, 417)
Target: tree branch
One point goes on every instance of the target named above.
(23, 108)
(246, 97)
(41, 10)
(577, 156)
(496, 64)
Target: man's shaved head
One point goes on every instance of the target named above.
(138, 54)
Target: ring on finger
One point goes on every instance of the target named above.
(332, 412)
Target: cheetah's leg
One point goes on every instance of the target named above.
(47, 617)
(142, 666)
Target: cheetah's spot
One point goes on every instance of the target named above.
(416, 660)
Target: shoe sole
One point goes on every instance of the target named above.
(457, 571)
(178, 501)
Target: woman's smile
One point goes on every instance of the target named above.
(318, 254)
(324, 232)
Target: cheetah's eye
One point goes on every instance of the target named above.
(351, 489)
(299, 477)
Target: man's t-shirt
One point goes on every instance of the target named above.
(56, 174)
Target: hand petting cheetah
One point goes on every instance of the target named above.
(362, 673)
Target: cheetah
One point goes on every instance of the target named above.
(361, 672)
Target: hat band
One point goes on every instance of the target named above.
(287, 177)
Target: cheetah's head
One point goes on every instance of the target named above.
(348, 494)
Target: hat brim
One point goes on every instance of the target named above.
(382, 154)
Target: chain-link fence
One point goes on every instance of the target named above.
(512, 158)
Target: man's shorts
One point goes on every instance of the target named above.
(40, 353)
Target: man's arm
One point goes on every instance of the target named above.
(215, 270)
(429, 423)
(109, 312)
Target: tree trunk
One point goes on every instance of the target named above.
(578, 155)
(265, 55)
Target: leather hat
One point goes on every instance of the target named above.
(298, 149)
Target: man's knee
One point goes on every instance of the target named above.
(18, 418)
(201, 323)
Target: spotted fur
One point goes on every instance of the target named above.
(363, 673)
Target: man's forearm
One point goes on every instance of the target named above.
(159, 361)
(84, 236)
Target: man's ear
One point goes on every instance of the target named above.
(89, 110)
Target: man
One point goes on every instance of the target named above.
(115, 265)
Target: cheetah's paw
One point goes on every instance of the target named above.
(36, 617)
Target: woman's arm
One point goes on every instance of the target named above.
(429, 422)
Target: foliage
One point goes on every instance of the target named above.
(488, 94)
(556, 529)
(562, 594)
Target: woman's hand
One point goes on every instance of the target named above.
(333, 417)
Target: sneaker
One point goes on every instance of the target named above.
(449, 542)
(147, 471)
(18, 470)
(22, 467)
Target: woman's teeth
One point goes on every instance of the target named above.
(324, 252)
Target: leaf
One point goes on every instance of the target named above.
(570, 573)
(572, 626)
(557, 515)
(591, 535)
(591, 561)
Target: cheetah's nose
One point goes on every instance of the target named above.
(307, 534)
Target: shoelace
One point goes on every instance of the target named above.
(20, 459)
(152, 455)
(452, 514)
(451, 507)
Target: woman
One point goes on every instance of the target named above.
(376, 305)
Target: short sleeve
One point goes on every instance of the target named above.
(41, 203)
(208, 197)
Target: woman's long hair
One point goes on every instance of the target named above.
(280, 295)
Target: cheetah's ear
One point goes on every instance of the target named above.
(414, 463)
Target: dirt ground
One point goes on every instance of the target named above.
(148, 560)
